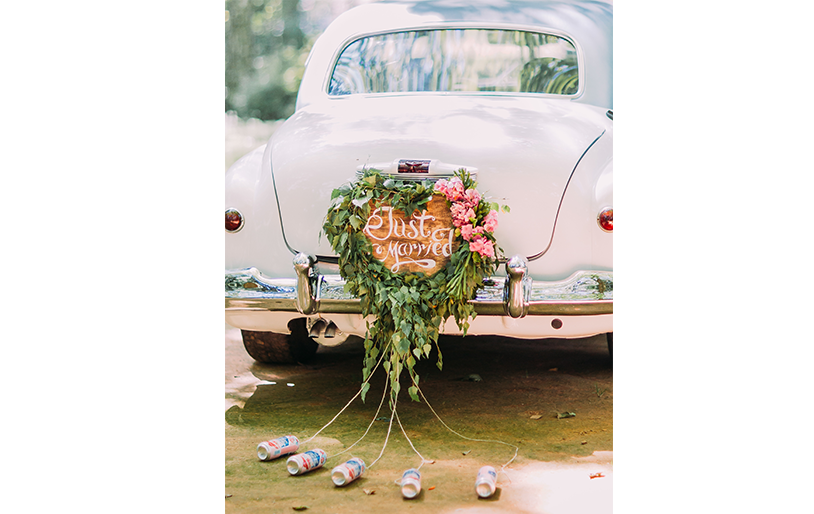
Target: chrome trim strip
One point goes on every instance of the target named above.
(581, 294)
(279, 210)
(562, 198)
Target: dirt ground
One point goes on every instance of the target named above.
(491, 388)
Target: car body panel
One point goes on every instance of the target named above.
(548, 157)
(516, 144)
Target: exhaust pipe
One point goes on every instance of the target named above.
(321, 327)
(317, 328)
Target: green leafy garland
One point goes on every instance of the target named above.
(409, 308)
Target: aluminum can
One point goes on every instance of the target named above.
(305, 462)
(347, 472)
(410, 483)
(486, 482)
(268, 450)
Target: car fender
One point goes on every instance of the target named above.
(578, 242)
(259, 243)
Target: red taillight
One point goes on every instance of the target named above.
(234, 220)
(605, 219)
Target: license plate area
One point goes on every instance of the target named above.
(414, 166)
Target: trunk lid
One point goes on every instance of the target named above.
(524, 149)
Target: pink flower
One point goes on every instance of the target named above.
(461, 214)
(466, 231)
(458, 214)
(490, 221)
(483, 246)
(441, 186)
(454, 190)
(472, 197)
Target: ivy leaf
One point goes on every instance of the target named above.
(361, 202)
(404, 346)
(407, 310)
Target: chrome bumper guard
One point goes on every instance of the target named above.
(515, 294)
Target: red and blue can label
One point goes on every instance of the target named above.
(305, 462)
(268, 450)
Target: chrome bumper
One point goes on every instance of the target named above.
(515, 294)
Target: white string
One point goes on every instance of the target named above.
(516, 449)
(394, 414)
(389, 427)
(351, 401)
(423, 460)
(384, 395)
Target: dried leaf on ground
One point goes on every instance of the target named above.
(596, 475)
(301, 507)
(535, 416)
(369, 491)
(464, 453)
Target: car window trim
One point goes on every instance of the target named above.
(326, 81)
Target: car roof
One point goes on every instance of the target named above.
(569, 12)
(588, 22)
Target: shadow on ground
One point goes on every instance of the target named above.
(522, 393)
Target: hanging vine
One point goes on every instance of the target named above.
(409, 307)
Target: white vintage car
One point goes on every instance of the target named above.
(517, 93)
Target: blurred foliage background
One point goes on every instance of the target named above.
(267, 43)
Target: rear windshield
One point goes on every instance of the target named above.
(461, 60)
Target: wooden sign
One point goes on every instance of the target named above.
(423, 242)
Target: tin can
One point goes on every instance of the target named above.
(486, 482)
(305, 462)
(268, 450)
(410, 483)
(347, 472)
